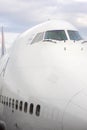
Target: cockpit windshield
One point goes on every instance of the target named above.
(74, 35)
(59, 35)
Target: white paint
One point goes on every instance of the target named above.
(53, 75)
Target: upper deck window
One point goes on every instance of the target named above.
(59, 35)
(74, 35)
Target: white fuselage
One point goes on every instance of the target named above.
(43, 85)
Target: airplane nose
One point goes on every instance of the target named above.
(75, 114)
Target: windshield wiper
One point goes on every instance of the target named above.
(84, 42)
(49, 40)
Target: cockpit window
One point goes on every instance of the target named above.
(74, 35)
(56, 35)
(38, 37)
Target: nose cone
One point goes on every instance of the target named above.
(75, 115)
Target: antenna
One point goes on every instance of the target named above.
(3, 45)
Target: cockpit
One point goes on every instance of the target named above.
(57, 35)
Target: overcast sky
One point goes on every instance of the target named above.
(18, 15)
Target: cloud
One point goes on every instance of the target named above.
(9, 38)
(82, 21)
(19, 15)
(26, 12)
(81, 1)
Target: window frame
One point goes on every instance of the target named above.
(38, 109)
(25, 107)
(36, 39)
(73, 34)
(13, 103)
(21, 105)
(56, 31)
(16, 104)
(31, 108)
(6, 101)
(10, 101)
(0, 98)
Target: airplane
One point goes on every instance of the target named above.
(43, 80)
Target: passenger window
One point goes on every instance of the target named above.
(31, 108)
(10, 102)
(21, 105)
(0, 98)
(7, 101)
(38, 37)
(13, 103)
(38, 110)
(25, 107)
(16, 106)
(4, 100)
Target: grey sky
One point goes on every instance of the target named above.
(19, 15)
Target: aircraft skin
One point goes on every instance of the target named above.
(43, 84)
